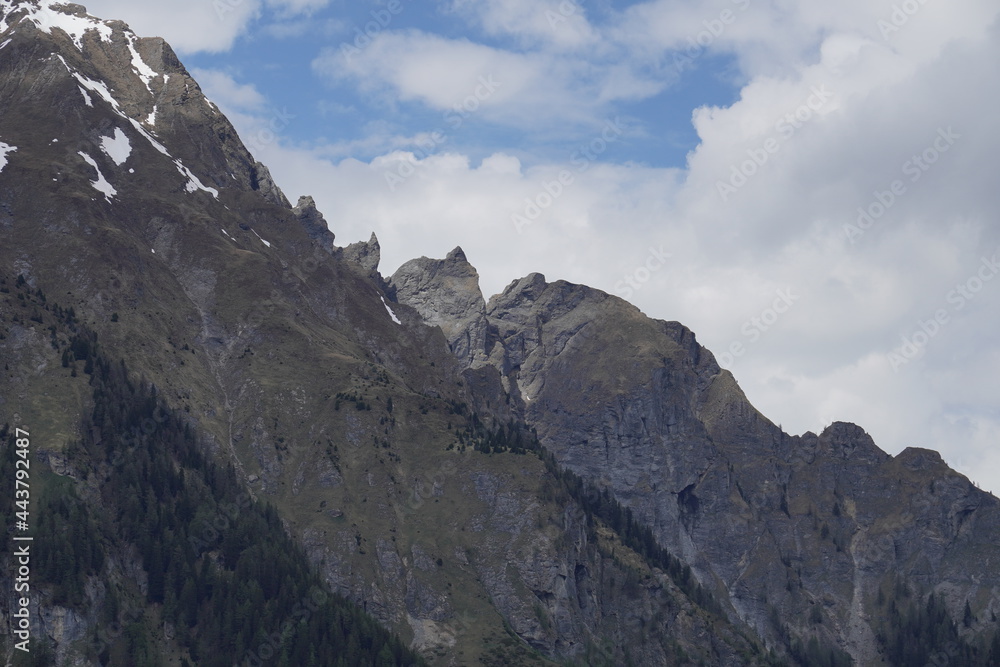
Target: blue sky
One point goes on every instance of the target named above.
(280, 58)
(810, 187)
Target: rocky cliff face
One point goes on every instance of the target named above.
(392, 422)
(446, 294)
(314, 223)
(796, 534)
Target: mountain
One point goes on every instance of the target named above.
(225, 399)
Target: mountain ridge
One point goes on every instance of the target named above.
(392, 421)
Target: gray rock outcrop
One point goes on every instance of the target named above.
(366, 254)
(446, 294)
(314, 222)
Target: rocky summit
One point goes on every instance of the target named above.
(247, 446)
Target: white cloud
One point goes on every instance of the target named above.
(292, 8)
(558, 24)
(191, 26)
(224, 90)
(777, 38)
(188, 25)
(436, 71)
(534, 91)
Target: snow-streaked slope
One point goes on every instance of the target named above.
(389, 310)
(267, 243)
(101, 184)
(4, 150)
(101, 89)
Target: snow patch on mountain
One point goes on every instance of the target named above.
(93, 86)
(6, 7)
(117, 147)
(75, 23)
(144, 71)
(101, 184)
(389, 310)
(194, 183)
(6, 43)
(101, 89)
(4, 150)
(267, 243)
(49, 17)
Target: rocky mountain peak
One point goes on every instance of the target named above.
(102, 69)
(524, 289)
(918, 458)
(457, 255)
(446, 293)
(366, 254)
(850, 441)
(312, 220)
